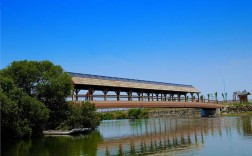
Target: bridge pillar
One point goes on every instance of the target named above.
(198, 97)
(90, 94)
(185, 98)
(208, 112)
(105, 94)
(139, 94)
(117, 95)
(157, 95)
(148, 95)
(178, 97)
(161, 96)
(192, 97)
(129, 95)
(172, 97)
(152, 96)
(76, 93)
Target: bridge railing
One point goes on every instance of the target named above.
(84, 97)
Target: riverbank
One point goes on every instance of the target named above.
(182, 112)
(238, 109)
(230, 110)
(150, 113)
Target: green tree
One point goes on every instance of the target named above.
(21, 115)
(81, 116)
(45, 82)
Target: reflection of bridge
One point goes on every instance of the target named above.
(159, 135)
(138, 93)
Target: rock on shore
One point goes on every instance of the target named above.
(238, 109)
(174, 113)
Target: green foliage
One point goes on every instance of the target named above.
(114, 115)
(45, 82)
(138, 113)
(81, 116)
(107, 116)
(21, 115)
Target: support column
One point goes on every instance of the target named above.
(152, 96)
(117, 95)
(139, 94)
(192, 97)
(142, 96)
(90, 94)
(185, 97)
(148, 95)
(129, 95)
(157, 95)
(198, 97)
(105, 92)
(178, 97)
(76, 94)
(161, 96)
(172, 95)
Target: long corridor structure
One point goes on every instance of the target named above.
(140, 90)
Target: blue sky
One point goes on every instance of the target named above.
(197, 42)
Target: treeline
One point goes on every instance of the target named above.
(33, 98)
(130, 114)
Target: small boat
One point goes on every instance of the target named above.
(66, 132)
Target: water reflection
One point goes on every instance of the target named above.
(153, 135)
(247, 125)
(47, 146)
(149, 136)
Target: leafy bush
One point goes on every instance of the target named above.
(114, 115)
(138, 113)
(81, 116)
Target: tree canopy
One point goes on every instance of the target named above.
(21, 115)
(33, 98)
(32, 92)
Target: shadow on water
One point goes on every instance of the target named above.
(60, 145)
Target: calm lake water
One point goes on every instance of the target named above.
(161, 136)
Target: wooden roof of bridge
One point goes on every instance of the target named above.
(125, 83)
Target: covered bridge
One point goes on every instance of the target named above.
(143, 90)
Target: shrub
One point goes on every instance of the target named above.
(81, 116)
(138, 113)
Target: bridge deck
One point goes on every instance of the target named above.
(153, 104)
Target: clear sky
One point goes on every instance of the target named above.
(197, 42)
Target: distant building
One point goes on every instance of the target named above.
(243, 96)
